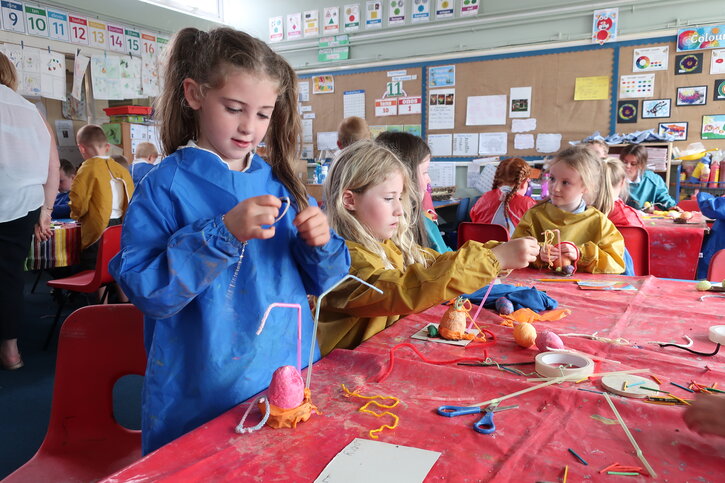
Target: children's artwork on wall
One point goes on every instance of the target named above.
(627, 111)
(276, 32)
(713, 127)
(656, 108)
(717, 62)
(294, 26)
(323, 84)
(604, 27)
(719, 90)
(652, 58)
(112, 132)
(631, 86)
(443, 76)
(676, 129)
(692, 96)
(688, 64)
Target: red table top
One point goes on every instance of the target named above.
(530, 443)
(675, 248)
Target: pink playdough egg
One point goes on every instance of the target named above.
(548, 340)
(287, 390)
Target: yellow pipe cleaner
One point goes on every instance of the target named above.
(372, 400)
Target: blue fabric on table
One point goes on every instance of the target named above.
(520, 297)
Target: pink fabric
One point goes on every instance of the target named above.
(485, 208)
(624, 215)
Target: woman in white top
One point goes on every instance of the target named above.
(28, 184)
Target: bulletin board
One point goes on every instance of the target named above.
(328, 108)
(666, 86)
(552, 80)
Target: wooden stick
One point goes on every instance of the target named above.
(528, 389)
(631, 438)
(596, 374)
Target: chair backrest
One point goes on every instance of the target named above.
(689, 205)
(98, 344)
(481, 232)
(716, 270)
(636, 239)
(109, 246)
(462, 210)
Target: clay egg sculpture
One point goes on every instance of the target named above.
(525, 334)
(504, 306)
(548, 340)
(454, 319)
(287, 389)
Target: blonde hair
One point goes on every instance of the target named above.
(358, 168)
(207, 58)
(352, 129)
(613, 175)
(8, 74)
(91, 135)
(600, 143)
(146, 150)
(587, 164)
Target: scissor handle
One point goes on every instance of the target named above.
(452, 411)
(485, 424)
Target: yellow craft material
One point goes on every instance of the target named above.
(631, 438)
(373, 400)
(525, 334)
(562, 364)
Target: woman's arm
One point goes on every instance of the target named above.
(50, 190)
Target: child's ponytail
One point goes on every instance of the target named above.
(611, 177)
(511, 172)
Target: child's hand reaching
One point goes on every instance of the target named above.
(312, 226)
(550, 254)
(517, 253)
(245, 220)
(707, 414)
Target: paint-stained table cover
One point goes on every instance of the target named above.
(675, 248)
(530, 443)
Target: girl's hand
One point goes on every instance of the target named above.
(568, 251)
(245, 220)
(312, 226)
(549, 254)
(42, 228)
(707, 414)
(517, 253)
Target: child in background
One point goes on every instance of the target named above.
(100, 191)
(121, 159)
(712, 207)
(647, 190)
(146, 156)
(613, 190)
(575, 177)
(599, 147)
(351, 130)
(507, 202)
(369, 195)
(206, 247)
(415, 154)
(61, 208)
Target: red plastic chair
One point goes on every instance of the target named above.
(716, 270)
(636, 239)
(88, 281)
(481, 232)
(98, 344)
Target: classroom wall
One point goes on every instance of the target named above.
(524, 23)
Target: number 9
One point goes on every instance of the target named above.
(13, 18)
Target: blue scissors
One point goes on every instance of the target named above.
(485, 424)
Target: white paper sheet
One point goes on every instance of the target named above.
(64, 133)
(492, 143)
(523, 125)
(306, 130)
(353, 103)
(520, 104)
(486, 111)
(364, 460)
(440, 144)
(442, 174)
(80, 63)
(441, 108)
(548, 143)
(631, 86)
(717, 62)
(465, 144)
(303, 89)
(524, 141)
(327, 140)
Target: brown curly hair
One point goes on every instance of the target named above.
(511, 172)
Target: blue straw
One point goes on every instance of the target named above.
(578, 457)
(590, 390)
(682, 387)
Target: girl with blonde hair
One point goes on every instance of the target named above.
(612, 193)
(368, 193)
(594, 245)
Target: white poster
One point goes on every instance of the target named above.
(440, 145)
(307, 130)
(331, 19)
(396, 12)
(631, 86)
(303, 91)
(486, 111)
(520, 104)
(327, 141)
(352, 17)
(80, 63)
(652, 58)
(442, 174)
(441, 108)
(52, 75)
(717, 63)
(311, 25)
(131, 75)
(374, 17)
(524, 141)
(420, 11)
(294, 26)
(386, 107)
(353, 103)
(523, 125)
(64, 133)
(490, 143)
(106, 77)
(276, 31)
(444, 9)
(548, 143)
(149, 67)
(410, 105)
(465, 144)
